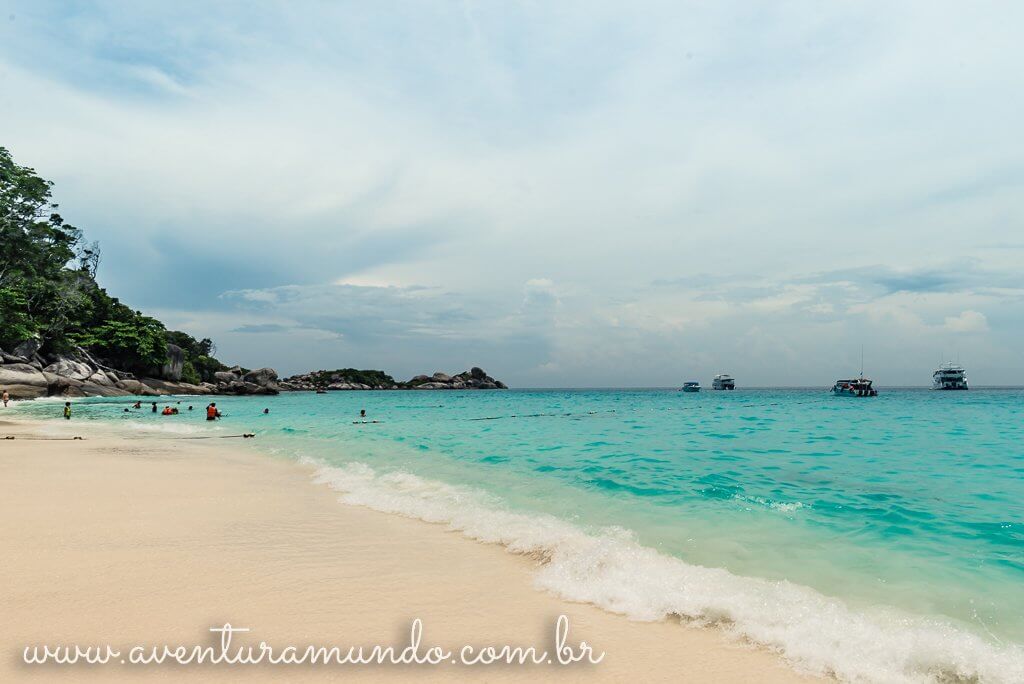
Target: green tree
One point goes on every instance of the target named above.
(15, 323)
(48, 287)
(138, 345)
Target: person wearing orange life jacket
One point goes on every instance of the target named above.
(211, 412)
(167, 411)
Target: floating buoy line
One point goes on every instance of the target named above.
(542, 415)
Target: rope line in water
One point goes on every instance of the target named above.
(45, 439)
(244, 435)
(543, 415)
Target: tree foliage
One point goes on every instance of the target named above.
(48, 287)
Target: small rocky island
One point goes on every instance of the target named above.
(352, 379)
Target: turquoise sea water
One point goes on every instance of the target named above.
(880, 539)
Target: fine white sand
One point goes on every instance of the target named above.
(124, 540)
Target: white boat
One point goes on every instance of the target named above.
(857, 387)
(691, 386)
(723, 381)
(949, 376)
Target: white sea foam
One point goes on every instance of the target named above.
(781, 506)
(169, 428)
(610, 569)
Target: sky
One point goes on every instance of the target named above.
(567, 194)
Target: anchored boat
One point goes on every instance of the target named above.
(949, 376)
(691, 386)
(723, 381)
(857, 387)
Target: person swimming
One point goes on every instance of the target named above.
(266, 411)
(167, 411)
(362, 413)
(211, 412)
(137, 404)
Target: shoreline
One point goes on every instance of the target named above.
(109, 535)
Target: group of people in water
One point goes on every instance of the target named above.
(212, 412)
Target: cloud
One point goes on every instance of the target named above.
(261, 328)
(539, 293)
(967, 321)
(571, 194)
(953, 275)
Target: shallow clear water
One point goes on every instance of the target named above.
(908, 507)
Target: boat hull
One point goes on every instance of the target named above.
(854, 388)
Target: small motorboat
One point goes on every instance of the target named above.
(691, 386)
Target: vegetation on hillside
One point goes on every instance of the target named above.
(48, 288)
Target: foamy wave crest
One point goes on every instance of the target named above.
(169, 428)
(610, 569)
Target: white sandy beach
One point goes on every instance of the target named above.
(124, 540)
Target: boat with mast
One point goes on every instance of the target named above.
(855, 387)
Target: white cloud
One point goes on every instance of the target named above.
(967, 321)
(514, 178)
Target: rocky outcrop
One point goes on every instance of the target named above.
(162, 387)
(264, 377)
(136, 387)
(175, 363)
(69, 368)
(341, 379)
(28, 348)
(78, 374)
(349, 379)
(474, 378)
(226, 376)
(11, 358)
(236, 381)
(23, 381)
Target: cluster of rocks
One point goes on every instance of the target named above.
(474, 378)
(236, 381)
(26, 374)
